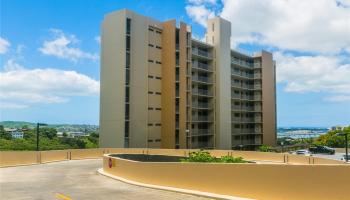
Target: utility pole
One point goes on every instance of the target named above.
(37, 134)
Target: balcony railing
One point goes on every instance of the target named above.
(257, 65)
(242, 63)
(202, 118)
(257, 86)
(202, 92)
(201, 132)
(202, 79)
(202, 53)
(202, 66)
(257, 97)
(256, 76)
(201, 105)
(241, 74)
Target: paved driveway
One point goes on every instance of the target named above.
(76, 179)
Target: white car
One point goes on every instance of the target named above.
(303, 152)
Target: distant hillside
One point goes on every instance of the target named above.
(16, 124)
(58, 127)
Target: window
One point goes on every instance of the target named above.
(127, 63)
(127, 77)
(158, 124)
(158, 62)
(157, 77)
(212, 27)
(150, 76)
(151, 61)
(127, 94)
(159, 32)
(158, 47)
(150, 124)
(150, 140)
(127, 112)
(128, 42)
(151, 45)
(149, 92)
(158, 93)
(128, 25)
(150, 29)
(150, 108)
(158, 109)
(158, 140)
(126, 132)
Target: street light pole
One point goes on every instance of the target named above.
(37, 134)
(346, 148)
(346, 145)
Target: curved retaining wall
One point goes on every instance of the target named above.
(257, 181)
(14, 158)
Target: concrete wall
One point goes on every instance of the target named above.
(112, 78)
(268, 99)
(267, 181)
(14, 158)
(218, 34)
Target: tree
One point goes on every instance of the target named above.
(4, 134)
(265, 148)
(332, 139)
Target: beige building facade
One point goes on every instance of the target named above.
(160, 88)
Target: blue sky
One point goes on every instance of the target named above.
(50, 54)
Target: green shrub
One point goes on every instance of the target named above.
(231, 159)
(204, 156)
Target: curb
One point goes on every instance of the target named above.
(173, 189)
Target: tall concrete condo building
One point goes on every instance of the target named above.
(160, 88)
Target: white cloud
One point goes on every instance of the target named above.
(199, 13)
(4, 45)
(314, 25)
(11, 65)
(63, 46)
(198, 2)
(318, 73)
(98, 39)
(21, 87)
(338, 98)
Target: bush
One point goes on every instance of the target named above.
(204, 156)
(231, 159)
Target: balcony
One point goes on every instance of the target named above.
(198, 105)
(247, 97)
(200, 132)
(241, 74)
(202, 66)
(202, 79)
(202, 119)
(202, 92)
(201, 53)
(257, 97)
(236, 84)
(242, 63)
(248, 86)
(257, 86)
(257, 76)
(235, 96)
(257, 65)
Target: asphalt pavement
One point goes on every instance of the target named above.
(75, 179)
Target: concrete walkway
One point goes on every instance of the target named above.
(76, 179)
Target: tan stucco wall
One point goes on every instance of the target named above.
(168, 84)
(257, 181)
(13, 158)
(112, 80)
(220, 39)
(268, 99)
